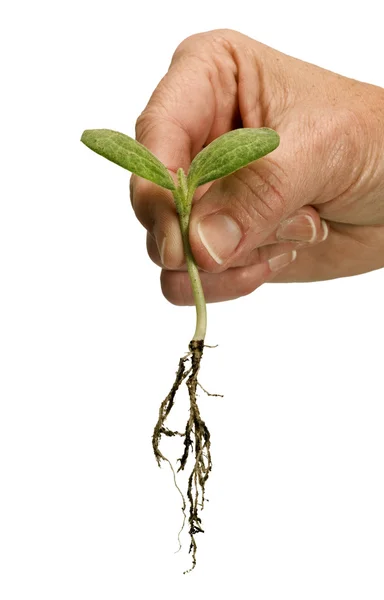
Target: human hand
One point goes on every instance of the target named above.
(318, 198)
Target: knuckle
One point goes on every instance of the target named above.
(141, 122)
(187, 43)
(199, 42)
(246, 282)
(344, 137)
(145, 123)
(260, 196)
(156, 110)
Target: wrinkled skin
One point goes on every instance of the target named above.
(329, 167)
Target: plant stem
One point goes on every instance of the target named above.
(183, 199)
(194, 276)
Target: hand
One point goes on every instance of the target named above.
(312, 210)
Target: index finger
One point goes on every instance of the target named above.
(173, 126)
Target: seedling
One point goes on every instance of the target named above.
(223, 156)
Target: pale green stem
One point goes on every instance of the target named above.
(183, 200)
(194, 276)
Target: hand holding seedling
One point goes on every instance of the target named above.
(226, 209)
(326, 177)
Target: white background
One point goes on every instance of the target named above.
(89, 346)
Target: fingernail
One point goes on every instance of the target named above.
(161, 248)
(282, 260)
(220, 235)
(325, 230)
(297, 229)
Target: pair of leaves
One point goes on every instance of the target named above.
(223, 156)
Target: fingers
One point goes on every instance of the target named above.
(242, 211)
(348, 250)
(167, 127)
(175, 123)
(251, 209)
(269, 208)
(229, 285)
(204, 94)
(182, 110)
(303, 228)
(217, 287)
(195, 102)
(155, 209)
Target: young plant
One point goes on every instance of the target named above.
(223, 156)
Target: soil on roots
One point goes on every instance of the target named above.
(196, 441)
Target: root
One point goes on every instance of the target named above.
(208, 393)
(196, 434)
(165, 409)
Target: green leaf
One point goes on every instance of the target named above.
(231, 152)
(129, 154)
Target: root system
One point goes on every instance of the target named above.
(196, 440)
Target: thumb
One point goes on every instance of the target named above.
(243, 212)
